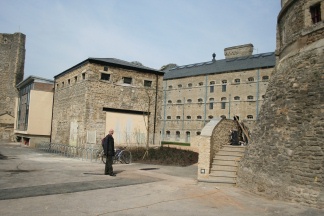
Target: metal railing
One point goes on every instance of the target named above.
(87, 154)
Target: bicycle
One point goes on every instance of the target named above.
(121, 155)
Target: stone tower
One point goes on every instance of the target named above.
(286, 158)
(12, 59)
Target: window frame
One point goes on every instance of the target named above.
(105, 74)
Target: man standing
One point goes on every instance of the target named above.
(109, 149)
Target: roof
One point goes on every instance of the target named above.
(113, 62)
(263, 60)
(31, 79)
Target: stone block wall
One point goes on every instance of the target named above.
(285, 159)
(12, 60)
(81, 96)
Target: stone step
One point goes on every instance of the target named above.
(227, 157)
(233, 148)
(225, 163)
(228, 180)
(221, 173)
(224, 168)
(231, 153)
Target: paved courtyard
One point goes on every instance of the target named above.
(38, 183)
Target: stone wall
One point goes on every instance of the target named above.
(285, 159)
(12, 59)
(81, 95)
(214, 135)
(238, 51)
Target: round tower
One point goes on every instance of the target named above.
(286, 158)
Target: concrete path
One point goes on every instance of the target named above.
(37, 183)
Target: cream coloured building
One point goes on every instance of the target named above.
(34, 111)
(196, 93)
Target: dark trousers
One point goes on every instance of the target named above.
(108, 168)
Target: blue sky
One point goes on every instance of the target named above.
(62, 33)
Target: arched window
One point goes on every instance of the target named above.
(223, 104)
(263, 96)
(250, 79)
(265, 77)
(188, 117)
(199, 117)
(200, 83)
(211, 103)
(169, 101)
(224, 85)
(237, 98)
(223, 116)
(250, 97)
(212, 82)
(170, 86)
(178, 101)
(210, 117)
(198, 133)
(237, 81)
(200, 100)
(168, 134)
(190, 85)
(177, 134)
(168, 117)
(223, 99)
(250, 117)
(178, 117)
(188, 136)
(224, 81)
(179, 86)
(189, 101)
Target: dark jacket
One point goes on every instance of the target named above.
(109, 146)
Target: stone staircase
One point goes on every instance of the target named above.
(225, 164)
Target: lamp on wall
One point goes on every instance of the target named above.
(202, 171)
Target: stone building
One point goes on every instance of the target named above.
(285, 159)
(12, 58)
(102, 93)
(196, 93)
(34, 110)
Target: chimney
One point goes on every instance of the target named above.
(238, 51)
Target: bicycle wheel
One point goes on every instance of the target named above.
(125, 157)
(103, 157)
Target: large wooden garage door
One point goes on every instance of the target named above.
(129, 128)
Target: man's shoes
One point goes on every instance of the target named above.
(113, 174)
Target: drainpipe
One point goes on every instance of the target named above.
(183, 113)
(229, 107)
(205, 111)
(257, 94)
(164, 108)
(54, 90)
(155, 108)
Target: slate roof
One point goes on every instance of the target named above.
(113, 62)
(31, 79)
(263, 60)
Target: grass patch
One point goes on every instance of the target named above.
(164, 156)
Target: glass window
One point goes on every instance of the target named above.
(179, 86)
(83, 76)
(168, 134)
(210, 117)
(169, 101)
(127, 80)
(211, 89)
(178, 101)
(250, 116)
(147, 83)
(237, 80)
(237, 98)
(168, 117)
(200, 100)
(250, 79)
(201, 84)
(177, 134)
(198, 133)
(105, 76)
(188, 117)
(315, 11)
(265, 77)
(199, 117)
(170, 86)
(178, 117)
(250, 97)
(190, 85)
(106, 68)
(189, 101)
